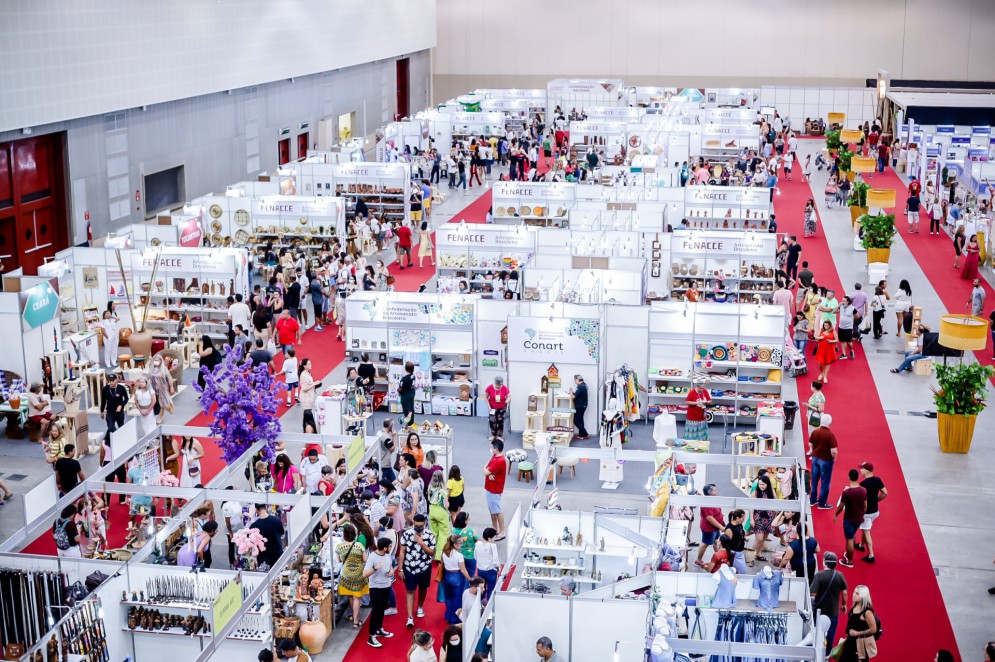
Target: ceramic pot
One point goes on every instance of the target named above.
(140, 343)
(313, 635)
(956, 431)
(15, 402)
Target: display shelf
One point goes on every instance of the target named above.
(188, 607)
(171, 632)
(563, 548)
(555, 566)
(576, 578)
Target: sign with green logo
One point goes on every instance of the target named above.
(39, 304)
(227, 604)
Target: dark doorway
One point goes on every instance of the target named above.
(33, 220)
(302, 146)
(403, 82)
(283, 152)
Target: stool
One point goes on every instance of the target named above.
(139, 361)
(515, 455)
(568, 463)
(923, 367)
(124, 360)
(526, 470)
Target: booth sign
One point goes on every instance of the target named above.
(39, 305)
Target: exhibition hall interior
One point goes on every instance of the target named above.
(437, 331)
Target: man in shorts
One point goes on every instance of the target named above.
(876, 493)
(415, 565)
(494, 476)
(853, 505)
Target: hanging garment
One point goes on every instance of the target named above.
(725, 593)
(769, 588)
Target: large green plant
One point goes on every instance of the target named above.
(878, 230)
(962, 388)
(846, 159)
(833, 140)
(858, 194)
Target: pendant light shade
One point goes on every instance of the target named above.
(964, 332)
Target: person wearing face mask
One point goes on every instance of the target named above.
(415, 565)
(452, 644)
(164, 387)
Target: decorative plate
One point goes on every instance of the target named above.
(776, 356)
(241, 237)
(719, 353)
(216, 239)
(732, 351)
(635, 141)
(763, 354)
(156, 241)
(241, 217)
(215, 211)
(226, 241)
(303, 220)
(703, 351)
(537, 211)
(216, 226)
(499, 211)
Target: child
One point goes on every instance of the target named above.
(290, 373)
(801, 332)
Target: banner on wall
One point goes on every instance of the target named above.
(731, 195)
(723, 243)
(712, 135)
(39, 304)
(379, 309)
(556, 340)
(538, 190)
(215, 260)
(485, 236)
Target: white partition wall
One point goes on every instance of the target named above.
(525, 617)
(608, 629)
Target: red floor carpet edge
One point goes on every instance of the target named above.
(935, 256)
(863, 434)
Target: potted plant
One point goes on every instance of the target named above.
(857, 201)
(877, 234)
(833, 140)
(959, 399)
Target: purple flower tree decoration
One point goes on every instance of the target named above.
(245, 404)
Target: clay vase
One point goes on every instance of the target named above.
(313, 635)
(140, 343)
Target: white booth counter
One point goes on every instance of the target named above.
(580, 94)
(515, 111)
(545, 204)
(230, 221)
(728, 207)
(607, 138)
(469, 256)
(433, 331)
(726, 266)
(739, 348)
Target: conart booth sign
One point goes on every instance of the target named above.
(560, 340)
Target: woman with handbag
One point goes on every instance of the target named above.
(816, 405)
(352, 583)
(825, 355)
(190, 451)
(861, 626)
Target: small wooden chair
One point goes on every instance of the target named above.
(569, 463)
(526, 470)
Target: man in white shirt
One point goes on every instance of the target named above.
(311, 470)
(793, 145)
(469, 595)
(239, 314)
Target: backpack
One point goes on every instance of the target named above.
(60, 535)
(877, 622)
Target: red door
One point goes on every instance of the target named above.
(402, 87)
(33, 221)
(283, 152)
(302, 145)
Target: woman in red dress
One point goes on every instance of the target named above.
(971, 257)
(826, 353)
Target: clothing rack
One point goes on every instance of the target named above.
(621, 388)
(25, 598)
(750, 628)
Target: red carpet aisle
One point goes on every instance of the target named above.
(476, 211)
(118, 515)
(935, 256)
(863, 433)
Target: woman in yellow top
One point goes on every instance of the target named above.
(454, 486)
(811, 304)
